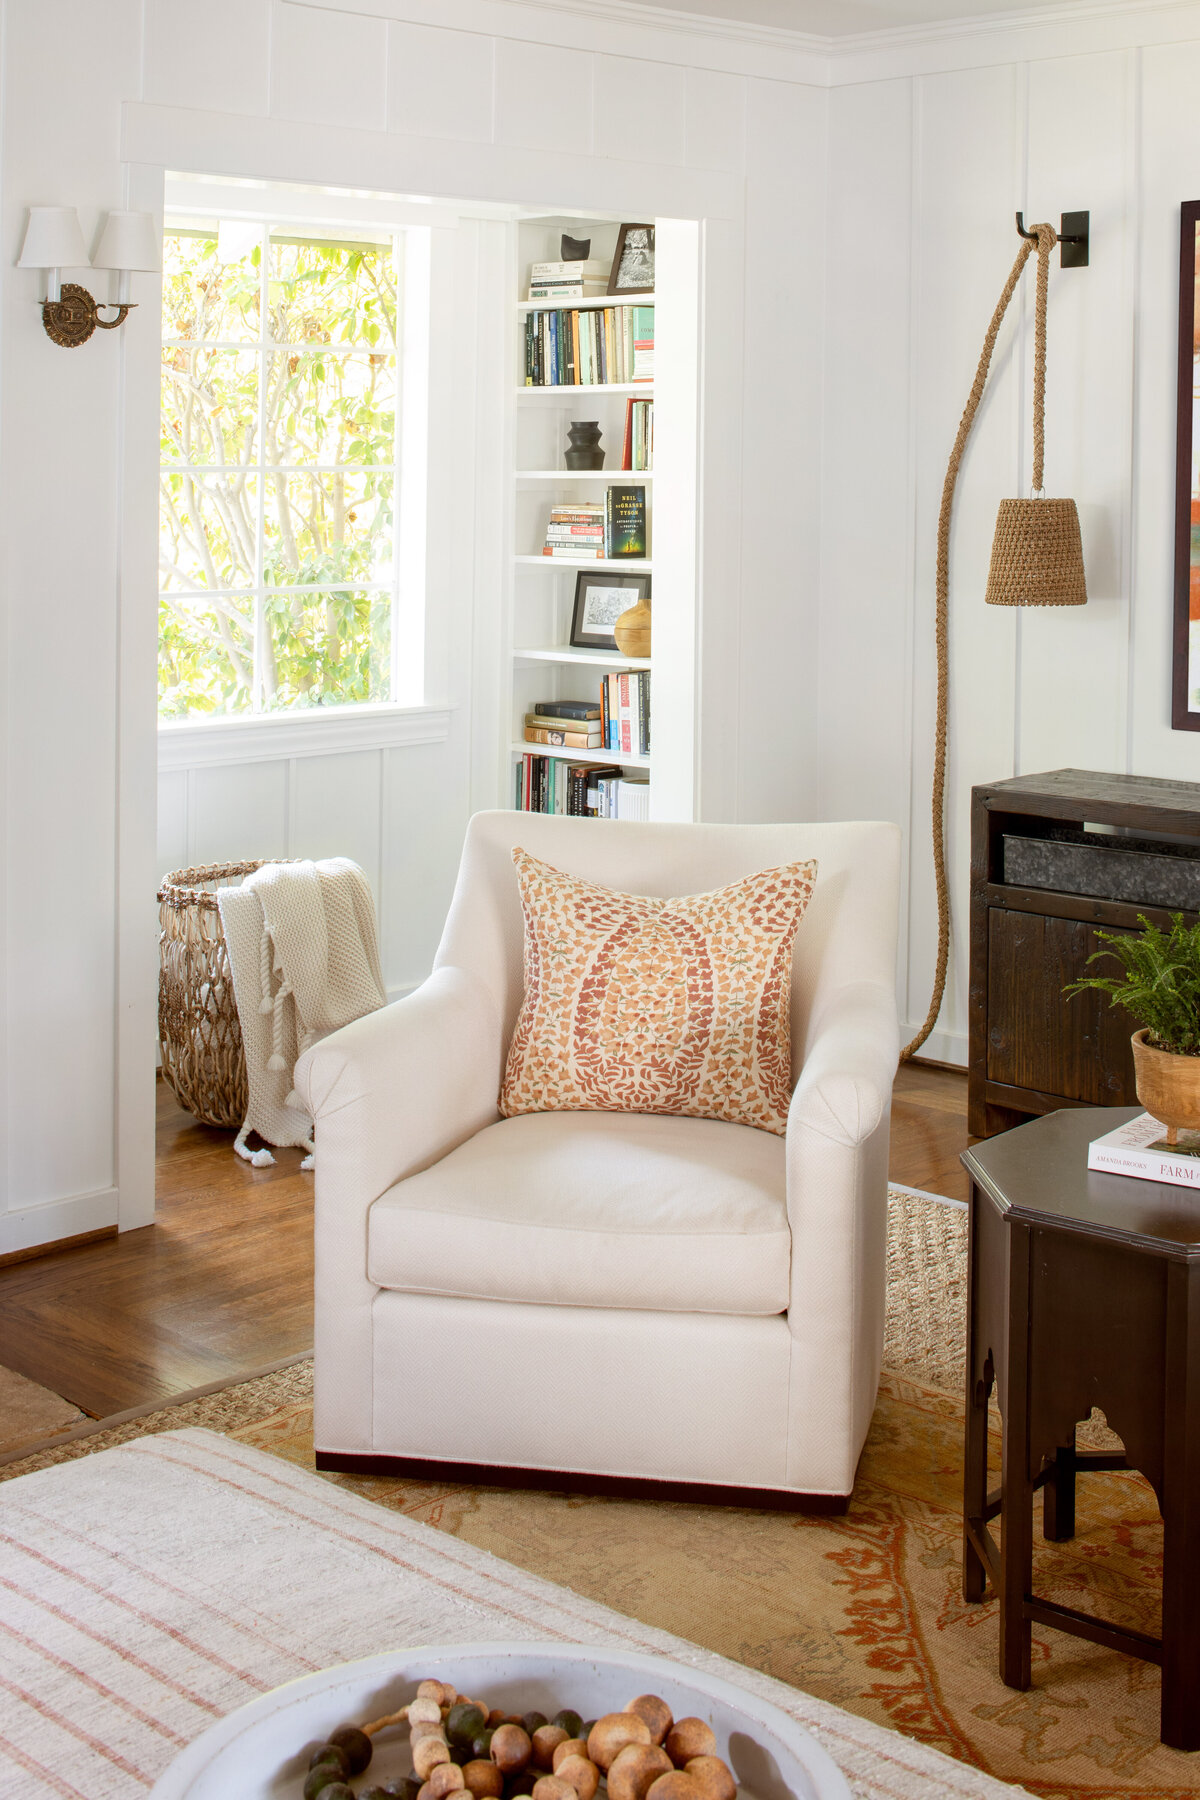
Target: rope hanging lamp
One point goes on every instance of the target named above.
(1037, 560)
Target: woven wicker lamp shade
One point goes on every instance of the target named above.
(1037, 555)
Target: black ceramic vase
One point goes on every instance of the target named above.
(583, 450)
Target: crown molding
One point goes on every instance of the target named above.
(657, 33)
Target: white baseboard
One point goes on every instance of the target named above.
(939, 1046)
(53, 1220)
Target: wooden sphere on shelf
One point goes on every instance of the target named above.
(632, 630)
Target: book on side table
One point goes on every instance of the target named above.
(1140, 1148)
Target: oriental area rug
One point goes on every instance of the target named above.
(863, 1610)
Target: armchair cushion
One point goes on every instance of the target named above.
(639, 1004)
(595, 1209)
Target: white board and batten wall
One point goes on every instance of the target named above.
(855, 204)
(492, 100)
(934, 144)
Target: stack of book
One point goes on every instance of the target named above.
(576, 531)
(565, 347)
(637, 451)
(573, 724)
(615, 526)
(625, 712)
(643, 344)
(568, 280)
(546, 784)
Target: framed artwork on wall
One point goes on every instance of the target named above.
(1185, 678)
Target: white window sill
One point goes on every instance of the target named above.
(277, 737)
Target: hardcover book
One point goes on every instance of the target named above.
(1140, 1148)
(627, 521)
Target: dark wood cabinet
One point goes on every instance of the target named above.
(1032, 1050)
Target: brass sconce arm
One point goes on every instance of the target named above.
(73, 318)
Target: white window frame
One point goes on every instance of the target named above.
(409, 717)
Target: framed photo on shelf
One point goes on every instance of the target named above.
(600, 599)
(1185, 673)
(633, 264)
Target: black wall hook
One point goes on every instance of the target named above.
(1073, 238)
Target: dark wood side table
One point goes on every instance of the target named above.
(1083, 1290)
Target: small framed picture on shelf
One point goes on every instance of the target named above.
(600, 599)
(633, 264)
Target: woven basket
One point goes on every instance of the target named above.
(198, 1032)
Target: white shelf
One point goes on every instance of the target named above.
(598, 755)
(566, 653)
(591, 300)
(636, 565)
(605, 475)
(574, 390)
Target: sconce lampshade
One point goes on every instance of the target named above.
(53, 240)
(1037, 555)
(129, 241)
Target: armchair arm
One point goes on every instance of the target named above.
(837, 1156)
(389, 1095)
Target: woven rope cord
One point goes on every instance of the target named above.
(1044, 238)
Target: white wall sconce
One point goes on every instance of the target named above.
(54, 242)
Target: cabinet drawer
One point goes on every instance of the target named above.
(1039, 1039)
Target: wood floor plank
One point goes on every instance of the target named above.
(221, 1285)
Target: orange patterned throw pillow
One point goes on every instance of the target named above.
(642, 1005)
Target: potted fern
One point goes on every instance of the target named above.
(1160, 988)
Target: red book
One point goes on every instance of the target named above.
(627, 445)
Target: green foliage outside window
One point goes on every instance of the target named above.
(277, 473)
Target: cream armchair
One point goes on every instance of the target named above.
(624, 1297)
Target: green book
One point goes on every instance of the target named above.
(626, 521)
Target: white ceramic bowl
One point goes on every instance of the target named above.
(261, 1751)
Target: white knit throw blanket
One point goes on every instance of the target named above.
(318, 952)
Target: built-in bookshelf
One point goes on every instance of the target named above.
(543, 665)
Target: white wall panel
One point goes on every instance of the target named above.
(440, 83)
(864, 698)
(328, 67)
(172, 847)
(1080, 113)
(543, 97)
(334, 808)
(714, 120)
(639, 109)
(238, 813)
(213, 56)
(781, 480)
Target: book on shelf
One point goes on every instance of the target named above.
(625, 521)
(601, 346)
(625, 712)
(564, 709)
(1140, 1148)
(642, 362)
(568, 740)
(616, 796)
(546, 784)
(637, 448)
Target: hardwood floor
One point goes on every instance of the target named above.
(222, 1285)
(929, 1129)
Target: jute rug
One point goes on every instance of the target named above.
(865, 1610)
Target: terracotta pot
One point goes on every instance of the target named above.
(1168, 1086)
(632, 630)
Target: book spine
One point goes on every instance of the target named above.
(570, 740)
(625, 739)
(572, 341)
(627, 451)
(581, 551)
